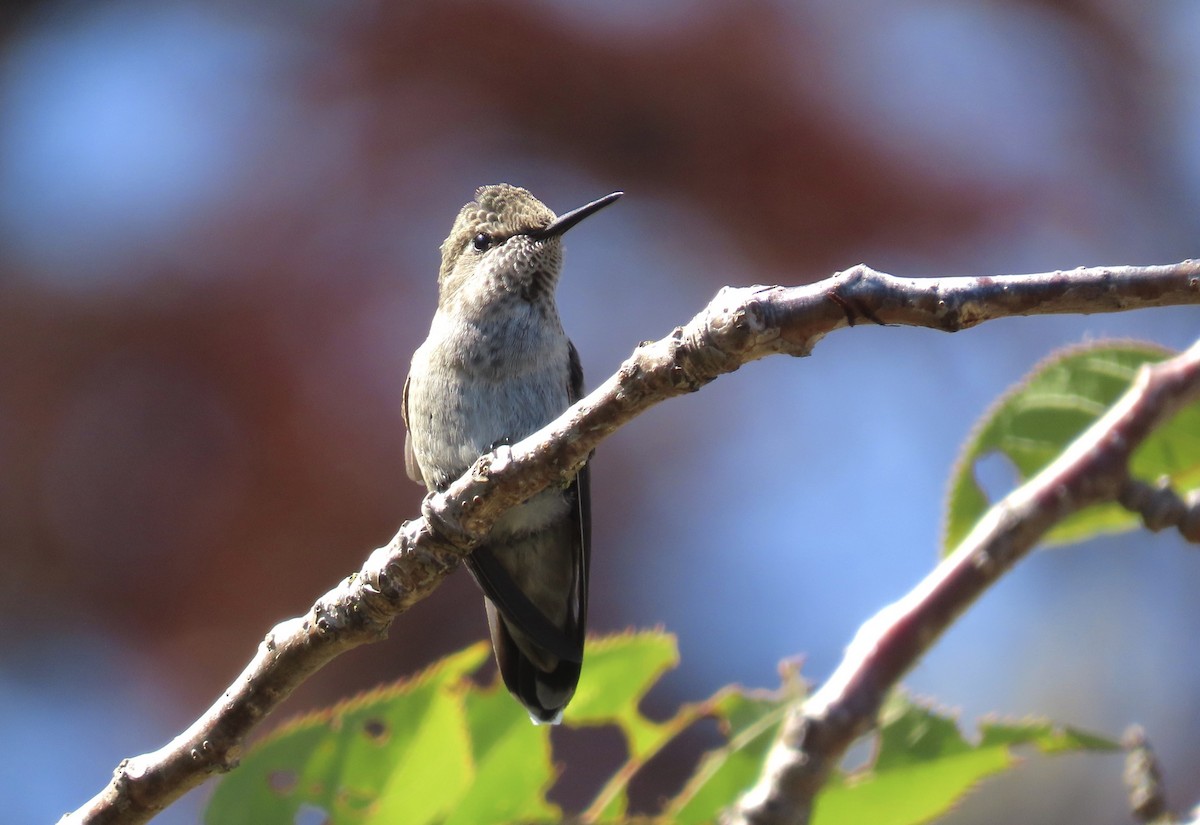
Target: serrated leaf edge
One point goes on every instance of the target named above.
(959, 465)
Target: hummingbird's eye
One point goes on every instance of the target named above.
(482, 242)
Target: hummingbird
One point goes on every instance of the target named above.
(495, 368)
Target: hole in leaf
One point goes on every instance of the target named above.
(996, 475)
(861, 755)
(311, 815)
(377, 730)
(282, 782)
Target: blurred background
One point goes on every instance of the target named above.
(219, 234)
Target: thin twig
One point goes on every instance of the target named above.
(1143, 778)
(738, 326)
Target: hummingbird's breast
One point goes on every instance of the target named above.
(479, 382)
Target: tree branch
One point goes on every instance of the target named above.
(738, 326)
(1161, 507)
(1093, 469)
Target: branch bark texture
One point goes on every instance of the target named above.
(738, 326)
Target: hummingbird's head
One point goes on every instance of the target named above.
(506, 242)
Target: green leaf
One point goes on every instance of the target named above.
(923, 765)
(1035, 421)
(370, 759)
(1048, 738)
(726, 773)
(439, 748)
(618, 672)
(513, 769)
(751, 722)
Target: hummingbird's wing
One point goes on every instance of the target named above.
(516, 606)
(538, 636)
(539, 654)
(410, 458)
(582, 489)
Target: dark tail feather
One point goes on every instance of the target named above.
(544, 693)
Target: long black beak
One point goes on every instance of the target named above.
(564, 222)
